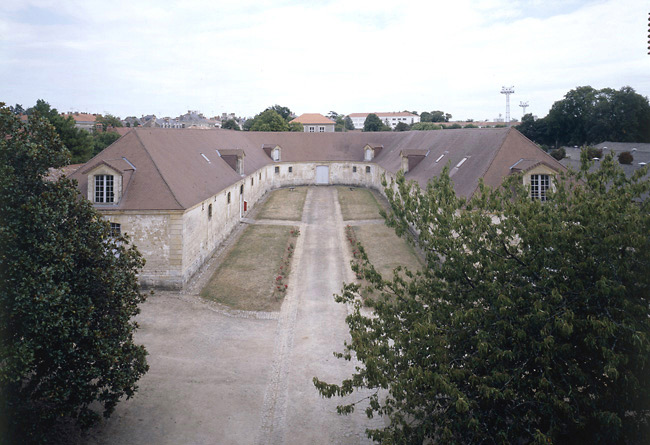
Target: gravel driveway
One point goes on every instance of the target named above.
(223, 377)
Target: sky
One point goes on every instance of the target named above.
(137, 57)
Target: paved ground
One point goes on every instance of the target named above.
(227, 377)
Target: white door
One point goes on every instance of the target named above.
(322, 174)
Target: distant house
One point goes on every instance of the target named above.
(84, 121)
(315, 123)
(390, 119)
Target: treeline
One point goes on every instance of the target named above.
(82, 144)
(588, 116)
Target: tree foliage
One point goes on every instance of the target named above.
(269, 120)
(425, 126)
(435, 116)
(79, 142)
(349, 125)
(528, 324)
(284, 112)
(230, 124)
(625, 157)
(402, 126)
(373, 123)
(587, 116)
(109, 121)
(68, 293)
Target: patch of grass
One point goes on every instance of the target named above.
(284, 204)
(386, 250)
(357, 203)
(248, 277)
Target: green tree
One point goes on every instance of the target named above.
(452, 126)
(230, 124)
(425, 126)
(349, 125)
(78, 141)
(470, 126)
(285, 112)
(402, 126)
(68, 293)
(440, 116)
(529, 327)
(269, 120)
(108, 121)
(102, 139)
(373, 123)
(295, 127)
(558, 153)
(339, 126)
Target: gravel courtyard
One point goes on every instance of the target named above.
(219, 376)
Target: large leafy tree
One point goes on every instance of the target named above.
(79, 142)
(374, 123)
(269, 120)
(587, 116)
(528, 324)
(68, 293)
(109, 121)
(349, 125)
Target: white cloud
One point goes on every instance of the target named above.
(166, 57)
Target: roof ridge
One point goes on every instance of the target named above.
(494, 156)
(157, 169)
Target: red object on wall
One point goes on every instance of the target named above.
(245, 205)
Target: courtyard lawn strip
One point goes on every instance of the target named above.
(284, 204)
(357, 203)
(253, 275)
(385, 250)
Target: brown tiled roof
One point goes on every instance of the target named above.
(313, 118)
(81, 117)
(171, 173)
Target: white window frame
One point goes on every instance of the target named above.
(539, 184)
(321, 129)
(104, 189)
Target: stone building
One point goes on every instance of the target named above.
(180, 193)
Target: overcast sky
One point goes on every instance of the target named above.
(166, 57)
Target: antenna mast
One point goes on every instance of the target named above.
(524, 105)
(507, 91)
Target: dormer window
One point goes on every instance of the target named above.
(276, 154)
(104, 189)
(369, 154)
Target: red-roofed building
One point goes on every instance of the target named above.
(315, 123)
(84, 120)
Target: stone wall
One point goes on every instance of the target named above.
(176, 244)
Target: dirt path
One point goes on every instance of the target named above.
(225, 378)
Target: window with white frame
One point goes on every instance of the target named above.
(321, 129)
(311, 129)
(104, 189)
(538, 186)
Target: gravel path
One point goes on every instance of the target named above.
(229, 377)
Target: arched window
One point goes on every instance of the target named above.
(228, 197)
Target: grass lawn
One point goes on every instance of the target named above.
(357, 203)
(246, 279)
(386, 250)
(284, 204)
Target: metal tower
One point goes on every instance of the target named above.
(507, 92)
(524, 105)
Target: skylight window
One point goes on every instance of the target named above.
(206, 158)
(441, 156)
(462, 161)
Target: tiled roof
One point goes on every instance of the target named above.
(172, 174)
(313, 118)
(82, 117)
